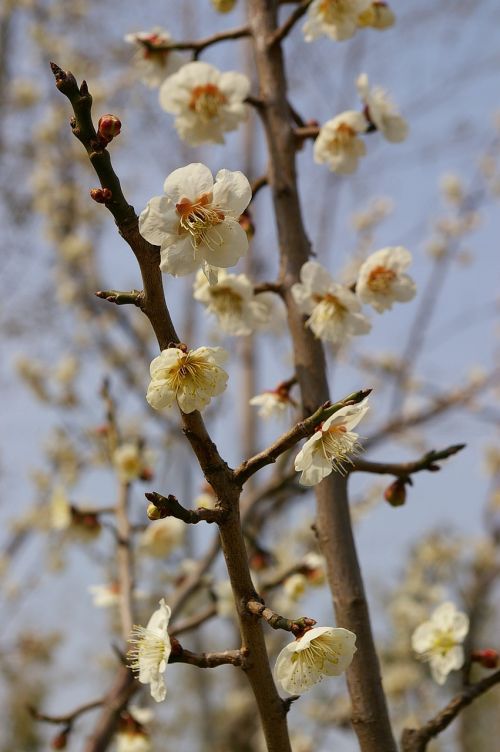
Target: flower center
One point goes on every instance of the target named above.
(331, 11)
(337, 444)
(197, 218)
(443, 642)
(151, 51)
(381, 279)
(343, 138)
(190, 373)
(206, 101)
(226, 301)
(148, 648)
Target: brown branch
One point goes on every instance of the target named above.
(199, 45)
(191, 622)
(302, 429)
(275, 287)
(168, 506)
(370, 716)
(308, 131)
(405, 469)
(69, 718)
(416, 740)
(216, 471)
(287, 27)
(122, 297)
(276, 621)
(257, 184)
(210, 660)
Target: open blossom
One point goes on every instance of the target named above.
(196, 222)
(378, 15)
(320, 652)
(334, 311)
(150, 651)
(338, 145)
(330, 447)
(189, 378)
(381, 111)
(239, 311)
(152, 61)
(273, 404)
(162, 537)
(205, 101)
(382, 281)
(131, 462)
(439, 641)
(337, 19)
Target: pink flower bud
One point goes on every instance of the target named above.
(60, 741)
(101, 195)
(108, 127)
(487, 658)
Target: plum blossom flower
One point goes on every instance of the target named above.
(205, 101)
(196, 222)
(273, 403)
(330, 447)
(320, 652)
(189, 378)
(439, 640)
(132, 736)
(131, 462)
(105, 596)
(150, 651)
(382, 281)
(381, 111)
(152, 62)
(378, 15)
(338, 145)
(337, 19)
(162, 537)
(334, 311)
(238, 310)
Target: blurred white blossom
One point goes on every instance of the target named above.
(162, 537)
(439, 641)
(381, 111)
(152, 62)
(337, 19)
(382, 281)
(338, 145)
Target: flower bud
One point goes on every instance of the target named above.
(154, 513)
(395, 494)
(223, 6)
(101, 195)
(60, 741)
(108, 127)
(488, 658)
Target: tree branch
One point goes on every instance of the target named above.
(292, 19)
(198, 45)
(120, 297)
(168, 506)
(276, 621)
(69, 718)
(416, 740)
(405, 469)
(210, 660)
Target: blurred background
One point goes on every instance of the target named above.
(432, 363)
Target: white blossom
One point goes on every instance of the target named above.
(382, 281)
(331, 445)
(189, 378)
(151, 650)
(130, 461)
(161, 537)
(338, 145)
(196, 222)
(334, 311)
(295, 586)
(378, 15)
(273, 403)
(439, 640)
(152, 62)
(133, 741)
(337, 19)
(232, 300)
(320, 652)
(105, 596)
(381, 111)
(206, 102)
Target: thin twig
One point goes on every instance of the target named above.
(68, 718)
(287, 27)
(416, 740)
(405, 469)
(199, 45)
(276, 621)
(209, 660)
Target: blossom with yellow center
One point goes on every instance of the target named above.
(381, 111)
(205, 101)
(196, 222)
(382, 281)
(319, 652)
(232, 300)
(150, 651)
(439, 641)
(334, 311)
(162, 537)
(331, 446)
(189, 378)
(130, 462)
(378, 15)
(152, 61)
(338, 145)
(337, 19)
